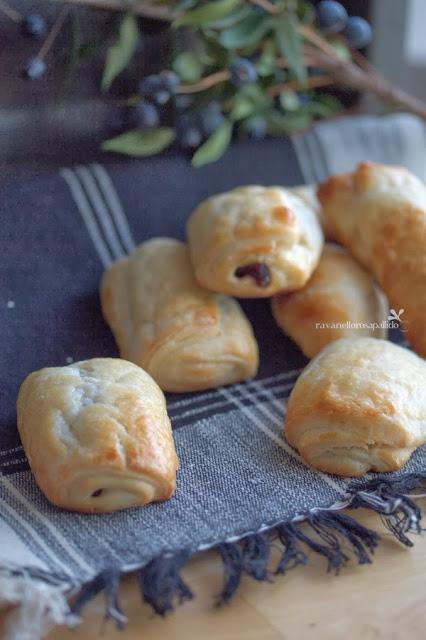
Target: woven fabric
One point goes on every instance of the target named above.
(238, 475)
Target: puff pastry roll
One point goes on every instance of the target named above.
(97, 435)
(254, 241)
(379, 213)
(340, 300)
(187, 338)
(360, 405)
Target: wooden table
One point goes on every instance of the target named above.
(383, 600)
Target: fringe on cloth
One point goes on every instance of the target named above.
(326, 531)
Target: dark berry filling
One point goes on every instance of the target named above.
(97, 493)
(258, 271)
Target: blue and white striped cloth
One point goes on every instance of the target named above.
(238, 474)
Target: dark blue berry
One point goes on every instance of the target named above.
(34, 69)
(257, 127)
(144, 114)
(358, 32)
(33, 25)
(242, 72)
(189, 135)
(332, 16)
(211, 118)
(170, 80)
(152, 88)
(161, 97)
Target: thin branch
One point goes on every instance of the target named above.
(54, 32)
(205, 83)
(267, 6)
(311, 36)
(296, 85)
(10, 12)
(348, 74)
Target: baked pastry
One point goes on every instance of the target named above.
(340, 300)
(379, 213)
(360, 405)
(97, 435)
(254, 241)
(308, 193)
(187, 338)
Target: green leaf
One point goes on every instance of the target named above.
(188, 66)
(214, 147)
(247, 32)
(229, 20)
(206, 13)
(120, 54)
(267, 63)
(243, 108)
(141, 142)
(289, 44)
(289, 100)
(248, 101)
(324, 106)
(286, 124)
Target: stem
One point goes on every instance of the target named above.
(10, 12)
(267, 6)
(348, 74)
(295, 85)
(311, 36)
(205, 83)
(54, 32)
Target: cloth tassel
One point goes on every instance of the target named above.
(161, 583)
(328, 532)
(108, 582)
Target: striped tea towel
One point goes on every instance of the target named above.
(240, 485)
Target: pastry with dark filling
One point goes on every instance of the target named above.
(97, 435)
(255, 241)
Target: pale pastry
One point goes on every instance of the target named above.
(379, 213)
(340, 300)
(187, 338)
(359, 406)
(254, 241)
(97, 435)
(308, 193)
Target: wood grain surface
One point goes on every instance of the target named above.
(385, 600)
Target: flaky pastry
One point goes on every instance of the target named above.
(97, 435)
(254, 241)
(186, 337)
(379, 213)
(359, 406)
(341, 299)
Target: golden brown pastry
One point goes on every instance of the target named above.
(379, 213)
(187, 338)
(97, 435)
(360, 405)
(340, 300)
(254, 241)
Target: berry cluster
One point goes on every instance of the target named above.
(155, 91)
(194, 127)
(333, 18)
